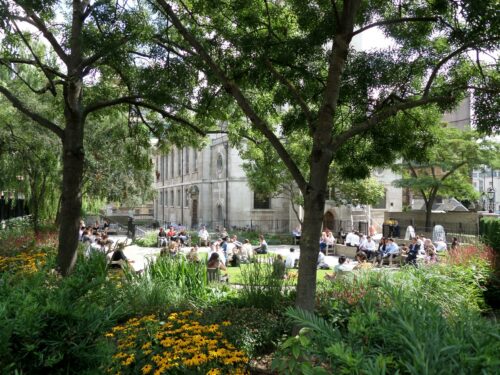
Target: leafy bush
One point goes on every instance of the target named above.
(391, 330)
(179, 345)
(262, 287)
(255, 330)
(489, 228)
(149, 240)
(53, 325)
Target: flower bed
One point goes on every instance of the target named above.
(179, 345)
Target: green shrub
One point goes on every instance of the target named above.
(149, 240)
(55, 325)
(489, 228)
(262, 287)
(391, 330)
(254, 330)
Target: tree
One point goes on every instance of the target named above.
(441, 164)
(289, 67)
(96, 58)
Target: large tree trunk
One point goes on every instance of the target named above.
(428, 214)
(314, 206)
(71, 200)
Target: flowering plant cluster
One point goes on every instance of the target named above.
(24, 262)
(179, 345)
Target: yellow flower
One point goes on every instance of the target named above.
(226, 323)
(146, 369)
(214, 371)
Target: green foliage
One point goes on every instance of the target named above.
(489, 229)
(255, 330)
(149, 240)
(414, 322)
(262, 287)
(54, 325)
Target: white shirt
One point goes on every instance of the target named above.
(290, 260)
(441, 246)
(352, 239)
(370, 245)
(321, 258)
(203, 234)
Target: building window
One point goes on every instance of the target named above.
(171, 165)
(162, 165)
(187, 160)
(161, 198)
(166, 166)
(178, 198)
(179, 162)
(172, 198)
(382, 203)
(261, 201)
(195, 160)
(219, 163)
(219, 213)
(186, 198)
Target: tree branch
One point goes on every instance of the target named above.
(383, 115)
(42, 121)
(40, 25)
(15, 60)
(395, 21)
(295, 93)
(232, 89)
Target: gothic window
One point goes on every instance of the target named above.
(382, 203)
(187, 160)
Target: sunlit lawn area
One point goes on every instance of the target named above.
(235, 274)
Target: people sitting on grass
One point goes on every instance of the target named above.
(118, 259)
(340, 269)
(292, 259)
(193, 255)
(431, 256)
(204, 236)
(162, 237)
(246, 251)
(262, 248)
(217, 249)
(214, 262)
(182, 236)
(105, 242)
(105, 226)
(363, 264)
(321, 261)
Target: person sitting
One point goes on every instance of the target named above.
(118, 258)
(204, 236)
(330, 240)
(390, 250)
(246, 251)
(162, 238)
(322, 241)
(362, 261)
(352, 239)
(193, 255)
(171, 234)
(214, 262)
(223, 234)
(431, 256)
(441, 246)
(340, 269)
(413, 251)
(369, 247)
(262, 248)
(292, 260)
(86, 237)
(95, 228)
(105, 242)
(279, 268)
(321, 261)
(183, 236)
(217, 249)
(105, 226)
(454, 244)
(172, 249)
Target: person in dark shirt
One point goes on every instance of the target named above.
(413, 250)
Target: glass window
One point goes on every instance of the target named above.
(166, 166)
(162, 161)
(172, 198)
(195, 160)
(261, 201)
(219, 164)
(178, 198)
(186, 198)
(171, 165)
(186, 156)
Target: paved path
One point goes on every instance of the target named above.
(141, 255)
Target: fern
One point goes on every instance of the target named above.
(318, 325)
